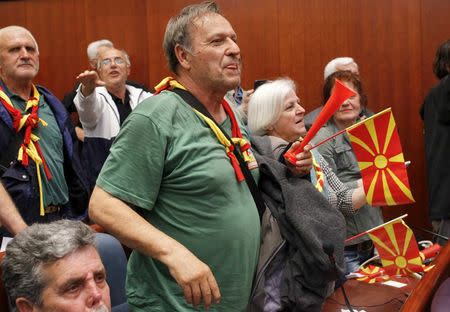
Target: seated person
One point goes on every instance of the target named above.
(103, 101)
(55, 267)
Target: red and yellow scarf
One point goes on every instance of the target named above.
(236, 135)
(30, 147)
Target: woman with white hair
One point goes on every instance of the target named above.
(275, 111)
(303, 227)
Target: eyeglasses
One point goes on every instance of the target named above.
(108, 61)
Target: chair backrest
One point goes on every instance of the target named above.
(115, 262)
(422, 295)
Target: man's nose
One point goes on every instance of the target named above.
(94, 294)
(24, 52)
(233, 47)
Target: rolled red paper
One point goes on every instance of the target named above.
(431, 251)
(339, 94)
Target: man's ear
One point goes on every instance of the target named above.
(182, 56)
(24, 305)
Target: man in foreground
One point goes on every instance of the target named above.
(55, 267)
(173, 183)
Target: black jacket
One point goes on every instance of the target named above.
(435, 113)
(21, 182)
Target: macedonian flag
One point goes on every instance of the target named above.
(372, 274)
(377, 147)
(397, 247)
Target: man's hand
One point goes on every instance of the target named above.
(194, 277)
(80, 133)
(89, 80)
(304, 160)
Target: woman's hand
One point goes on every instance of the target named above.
(304, 160)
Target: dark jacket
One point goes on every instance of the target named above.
(435, 113)
(304, 222)
(21, 182)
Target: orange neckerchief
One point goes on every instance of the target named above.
(30, 147)
(236, 135)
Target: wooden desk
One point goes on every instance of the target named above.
(371, 297)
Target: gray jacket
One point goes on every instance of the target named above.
(294, 273)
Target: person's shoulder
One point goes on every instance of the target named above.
(44, 90)
(445, 83)
(441, 86)
(50, 98)
(138, 85)
(161, 106)
(136, 89)
(326, 131)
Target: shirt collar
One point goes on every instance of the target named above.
(5, 89)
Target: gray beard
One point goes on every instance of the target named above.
(102, 308)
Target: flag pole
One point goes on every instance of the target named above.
(350, 127)
(373, 229)
(327, 139)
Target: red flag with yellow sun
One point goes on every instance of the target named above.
(397, 246)
(377, 147)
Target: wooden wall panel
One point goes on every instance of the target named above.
(59, 41)
(124, 23)
(393, 41)
(435, 30)
(13, 13)
(158, 14)
(257, 28)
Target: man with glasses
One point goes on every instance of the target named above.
(103, 101)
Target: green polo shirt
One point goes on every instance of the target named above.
(170, 167)
(55, 191)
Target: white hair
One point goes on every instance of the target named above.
(332, 66)
(14, 29)
(266, 104)
(92, 48)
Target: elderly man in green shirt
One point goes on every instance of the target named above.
(171, 188)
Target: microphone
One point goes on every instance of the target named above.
(328, 249)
